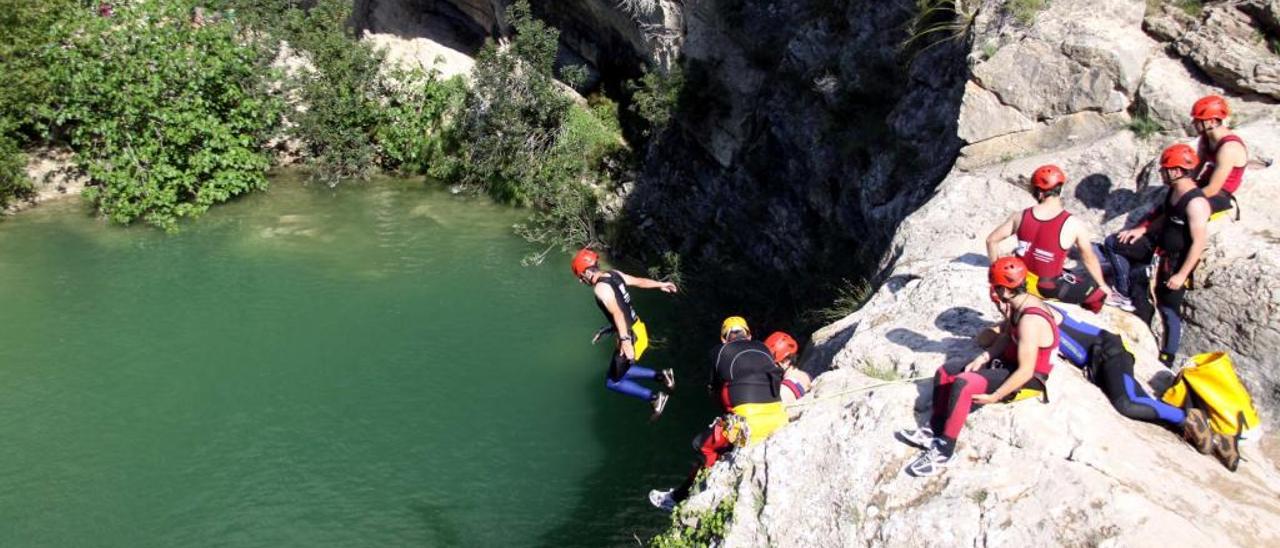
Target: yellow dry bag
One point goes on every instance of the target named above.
(1211, 382)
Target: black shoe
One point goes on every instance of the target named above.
(668, 379)
(659, 403)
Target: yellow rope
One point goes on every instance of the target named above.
(855, 390)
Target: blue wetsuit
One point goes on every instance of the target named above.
(1108, 364)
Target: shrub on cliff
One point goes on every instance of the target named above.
(166, 118)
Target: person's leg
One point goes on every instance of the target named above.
(963, 389)
(617, 379)
(711, 444)
(1122, 256)
(1169, 303)
(636, 372)
(1129, 398)
(942, 380)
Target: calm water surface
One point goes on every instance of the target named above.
(369, 366)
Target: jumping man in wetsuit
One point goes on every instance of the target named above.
(1020, 355)
(1046, 232)
(610, 288)
(1180, 233)
(747, 383)
(1223, 152)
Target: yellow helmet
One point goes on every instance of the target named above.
(733, 323)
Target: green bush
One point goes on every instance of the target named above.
(1025, 11)
(415, 132)
(711, 527)
(1144, 126)
(655, 95)
(165, 118)
(13, 172)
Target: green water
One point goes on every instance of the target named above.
(307, 367)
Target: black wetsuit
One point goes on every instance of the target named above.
(748, 369)
(1174, 244)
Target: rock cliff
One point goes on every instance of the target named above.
(1064, 90)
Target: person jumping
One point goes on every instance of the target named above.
(610, 288)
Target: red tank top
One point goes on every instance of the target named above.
(1044, 362)
(1236, 176)
(1040, 244)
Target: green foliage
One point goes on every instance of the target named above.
(415, 133)
(1025, 11)
(342, 96)
(165, 118)
(655, 96)
(710, 527)
(936, 22)
(1273, 44)
(877, 371)
(13, 173)
(850, 296)
(1144, 126)
(1193, 8)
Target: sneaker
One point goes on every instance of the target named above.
(929, 462)
(1195, 429)
(659, 404)
(919, 437)
(1226, 451)
(661, 499)
(1122, 302)
(668, 379)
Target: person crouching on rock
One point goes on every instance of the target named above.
(610, 288)
(1106, 362)
(1224, 153)
(1018, 356)
(747, 382)
(1180, 229)
(1046, 232)
(795, 382)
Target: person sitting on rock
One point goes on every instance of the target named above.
(1180, 237)
(610, 288)
(1107, 362)
(1224, 154)
(748, 384)
(794, 380)
(1046, 232)
(1018, 356)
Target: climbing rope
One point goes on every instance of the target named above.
(835, 395)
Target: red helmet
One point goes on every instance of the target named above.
(1181, 156)
(781, 345)
(585, 259)
(1211, 107)
(1048, 177)
(1008, 272)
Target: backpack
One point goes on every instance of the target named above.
(1210, 383)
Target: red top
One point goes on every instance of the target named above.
(1044, 362)
(1040, 244)
(1237, 173)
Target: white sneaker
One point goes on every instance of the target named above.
(920, 437)
(1120, 301)
(659, 404)
(668, 379)
(661, 499)
(928, 463)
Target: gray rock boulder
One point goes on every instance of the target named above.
(1227, 46)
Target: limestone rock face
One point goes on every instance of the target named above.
(1071, 471)
(1227, 46)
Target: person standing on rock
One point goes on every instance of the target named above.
(1106, 362)
(795, 382)
(610, 288)
(747, 383)
(1180, 229)
(1019, 356)
(1224, 154)
(1046, 232)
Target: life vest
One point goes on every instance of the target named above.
(1040, 243)
(1236, 177)
(1174, 240)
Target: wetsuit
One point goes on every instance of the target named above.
(1225, 197)
(623, 372)
(1173, 245)
(1040, 246)
(954, 388)
(1108, 364)
(747, 382)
